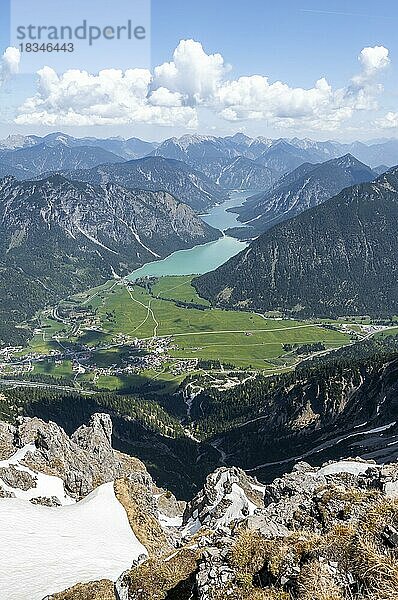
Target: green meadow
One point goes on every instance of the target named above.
(242, 338)
(171, 308)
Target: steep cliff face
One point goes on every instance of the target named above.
(339, 258)
(80, 463)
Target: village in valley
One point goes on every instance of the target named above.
(156, 331)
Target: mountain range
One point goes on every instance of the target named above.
(126, 148)
(280, 155)
(262, 160)
(227, 161)
(53, 156)
(339, 258)
(305, 187)
(59, 236)
(157, 173)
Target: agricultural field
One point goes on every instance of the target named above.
(146, 336)
(241, 338)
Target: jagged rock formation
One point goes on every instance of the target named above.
(314, 534)
(83, 461)
(228, 494)
(320, 534)
(102, 497)
(6, 440)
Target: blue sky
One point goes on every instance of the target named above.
(296, 43)
(281, 39)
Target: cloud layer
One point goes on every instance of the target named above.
(175, 91)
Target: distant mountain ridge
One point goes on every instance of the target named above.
(53, 156)
(125, 148)
(266, 159)
(217, 155)
(305, 187)
(339, 258)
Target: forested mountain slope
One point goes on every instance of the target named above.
(340, 258)
(307, 186)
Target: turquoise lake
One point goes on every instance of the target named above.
(205, 257)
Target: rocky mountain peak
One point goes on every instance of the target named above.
(82, 461)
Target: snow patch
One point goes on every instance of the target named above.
(46, 486)
(45, 550)
(344, 466)
(166, 521)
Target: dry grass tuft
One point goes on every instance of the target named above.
(145, 526)
(316, 583)
(154, 579)
(96, 590)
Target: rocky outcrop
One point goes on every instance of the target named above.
(228, 495)
(15, 478)
(325, 533)
(318, 534)
(84, 461)
(7, 433)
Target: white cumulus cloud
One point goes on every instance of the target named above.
(193, 73)
(319, 107)
(9, 64)
(111, 97)
(389, 121)
(175, 91)
(373, 59)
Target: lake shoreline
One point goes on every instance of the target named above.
(206, 257)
